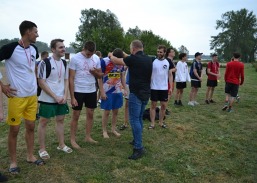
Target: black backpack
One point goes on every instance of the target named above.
(48, 71)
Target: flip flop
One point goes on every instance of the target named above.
(38, 162)
(151, 127)
(44, 155)
(14, 170)
(65, 149)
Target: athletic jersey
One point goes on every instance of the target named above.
(214, 68)
(55, 81)
(182, 74)
(198, 66)
(112, 76)
(160, 74)
(172, 66)
(84, 81)
(20, 68)
(234, 72)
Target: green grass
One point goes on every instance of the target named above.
(202, 144)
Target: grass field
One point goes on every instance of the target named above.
(201, 144)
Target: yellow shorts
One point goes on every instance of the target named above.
(19, 108)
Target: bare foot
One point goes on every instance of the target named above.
(105, 135)
(75, 145)
(116, 133)
(90, 140)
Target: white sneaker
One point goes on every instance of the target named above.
(195, 103)
(191, 103)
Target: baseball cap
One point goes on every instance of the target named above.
(197, 54)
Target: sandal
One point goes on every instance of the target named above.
(123, 127)
(164, 126)
(65, 149)
(38, 162)
(44, 155)
(151, 127)
(14, 170)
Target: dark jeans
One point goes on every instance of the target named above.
(136, 110)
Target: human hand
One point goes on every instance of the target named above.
(8, 91)
(74, 102)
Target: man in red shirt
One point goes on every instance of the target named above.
(234, 76)
(213, 72)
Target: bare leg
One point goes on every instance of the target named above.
(59, 128)
(41, 133)
(29, 136)
(126, 113)
(105, 117)
(74, 127)
(207, 96)
(162, 112)
(211, 92)
(114, 122)
(89, 125)
(12, 144)
(153, 112)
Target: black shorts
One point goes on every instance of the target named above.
(88, 98)
(159, 95)
(212, 83)
(231, 89)
(195, 84)
(181, 85)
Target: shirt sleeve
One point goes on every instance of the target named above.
(7, 50)
(72, 64)
(41, 70)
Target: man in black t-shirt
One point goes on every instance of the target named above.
(140, 71)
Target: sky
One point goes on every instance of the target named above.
(182, 22)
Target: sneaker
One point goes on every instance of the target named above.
(224, 107)
(123, 127)
(237, 99)
(137, 153)
(175, 103)
(195, 103)
(167, 112)
(37, 116)
(191, 103)
(212, 101)
(207, 102)
(180, 103)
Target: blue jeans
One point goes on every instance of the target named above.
(136, 110)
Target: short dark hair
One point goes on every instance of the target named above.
(54, 42)
(44, 53)
(90, 46)
(99, 54)
(118, 53)
(168, 51)
(181, 55)
(162, 47)
(137, 44)
(26, 25)
(236, 55)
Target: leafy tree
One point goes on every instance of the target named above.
(101, 27)
(239, 34)
(183, 49)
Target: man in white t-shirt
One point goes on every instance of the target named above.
(21, 90)
(161, 74)
(53, 97)
(83, 68)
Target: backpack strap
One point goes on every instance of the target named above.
(48, 66)
(64, 63)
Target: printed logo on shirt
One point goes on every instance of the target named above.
(114, 75)
(165, 67)
(53, 68)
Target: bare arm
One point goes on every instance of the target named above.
(71, 87)
(115, 60)
(170, 80)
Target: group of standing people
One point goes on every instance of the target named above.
(148, 78)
